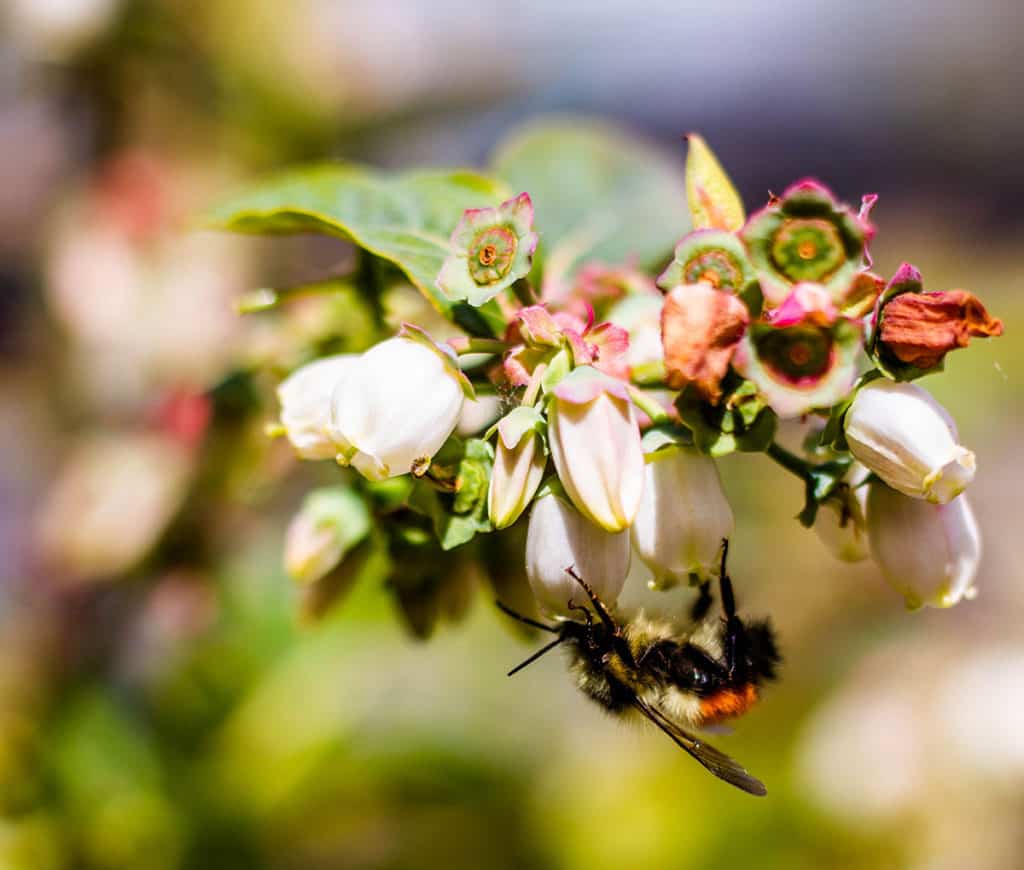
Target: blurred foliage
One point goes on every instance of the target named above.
(182, 713)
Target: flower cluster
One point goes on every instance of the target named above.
(614, 401)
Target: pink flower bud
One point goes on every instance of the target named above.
(595, 442)
(519, 460)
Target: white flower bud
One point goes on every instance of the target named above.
(595, 442)
(841, 523)
(305, 398)
(683, 517)
(928, 552)
(559, 537)
(397, 405)
(330, 522)
(519, 460)
(909, 440)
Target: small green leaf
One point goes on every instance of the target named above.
(405, 218)
(714, 202)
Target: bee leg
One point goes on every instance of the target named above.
(602, 611)
(621, 645)
(586, 615)
(703, 603)
(733, 632)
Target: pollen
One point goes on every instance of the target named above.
(488, 254)
(799, 354)
(807, 250)
(711, 277)
(727, 703)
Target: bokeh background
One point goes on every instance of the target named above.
(163, 704)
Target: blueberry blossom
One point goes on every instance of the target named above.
(927, 552)
(909, 440)
(396, 405)
(713, 257)
(683, 516)
(803, 355)
(519, 459)
(595, 443)
(305, 399)
(806, 235)
(841, 521)
(491, 248)
(559, 538)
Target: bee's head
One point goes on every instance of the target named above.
(759, 652)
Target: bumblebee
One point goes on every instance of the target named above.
(644, 667)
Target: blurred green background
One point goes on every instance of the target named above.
(163, 704)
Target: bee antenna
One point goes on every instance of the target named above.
(508, 611)
(536, 656)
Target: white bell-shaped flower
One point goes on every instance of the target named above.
(558, 538)
(397, 405)
(305, 398)
(927, 552)
(909, 440)
(595, 442)
(330, 522)
(519, 460)
(683, 518)
(841, 523)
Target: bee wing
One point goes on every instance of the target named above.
(717, 762)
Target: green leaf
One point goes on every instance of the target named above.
(406, 218)
(714, 202)
(599, 194)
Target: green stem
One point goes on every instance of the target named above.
(524, 292)
(267, 298)
(790, 461)
(533, 388)
(648, 405)
(464, 344)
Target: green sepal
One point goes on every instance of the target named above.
(906, 280)
(413, 333)
(518, 422)
(739, 422)
(559, 367)
(665, 436)
(833, 436)
(820, 483)
(460, 514)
